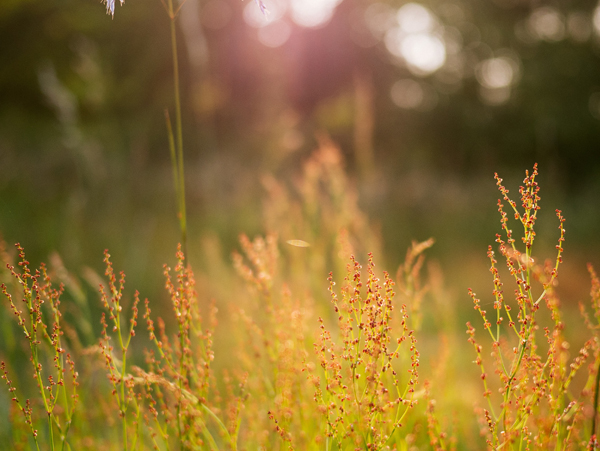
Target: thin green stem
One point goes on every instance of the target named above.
(223, 428)
(123, 401)
(176, 144)
(51, 430)
(596, 389)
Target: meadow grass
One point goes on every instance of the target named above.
(308, 345)
(295, 358)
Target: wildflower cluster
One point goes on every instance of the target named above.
(171, 395)
(116, 365)
(179, 379)
(361, 394)
(253, 383)
(53, 368)
(538, 405)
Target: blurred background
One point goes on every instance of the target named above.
(426, 100)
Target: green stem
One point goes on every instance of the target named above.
(123, 401)
(223, 428)
(51, 431)
(596, 388)
(178, 164)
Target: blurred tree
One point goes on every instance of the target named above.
(435, 96)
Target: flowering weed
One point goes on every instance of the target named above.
(532, 400)
(298, 359)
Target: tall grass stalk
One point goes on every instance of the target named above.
(176, 139)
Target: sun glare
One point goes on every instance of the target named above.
(415, 18)
(312, 13)
(275, 30)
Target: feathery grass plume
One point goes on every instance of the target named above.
(320, 206)
(409, 282)
(537, 405)
(110, 6)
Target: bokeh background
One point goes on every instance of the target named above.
(425, 99)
